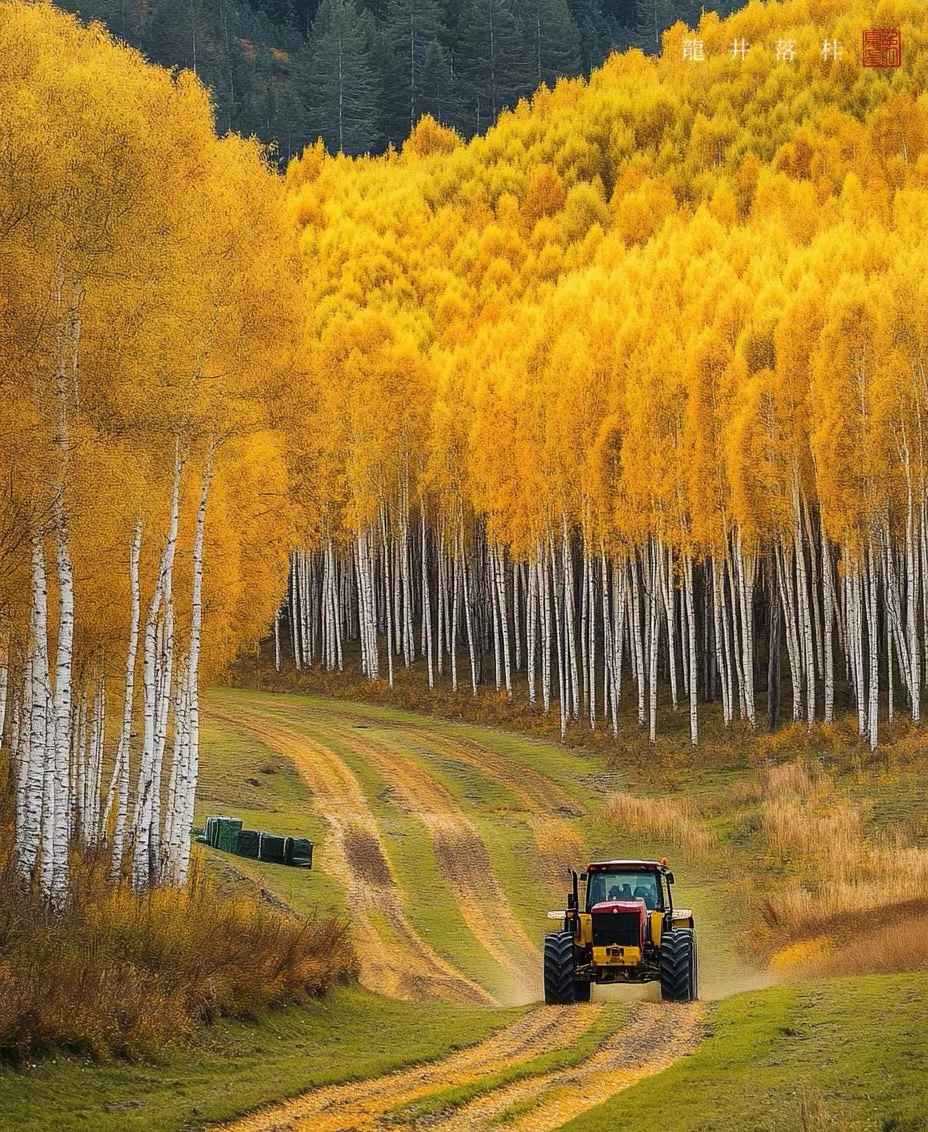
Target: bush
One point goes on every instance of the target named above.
(121, 973)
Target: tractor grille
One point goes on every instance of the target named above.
(622, 929)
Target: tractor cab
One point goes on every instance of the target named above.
(626, 882)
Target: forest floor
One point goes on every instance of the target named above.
(445, 844)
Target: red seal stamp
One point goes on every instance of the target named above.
(882, 47)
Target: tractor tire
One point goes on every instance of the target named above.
(560, 986)
(679, 976)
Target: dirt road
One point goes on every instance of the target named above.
(401, 964)
(464, 862)
(653, 1038)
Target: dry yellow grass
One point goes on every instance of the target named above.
(837, 869)
(558, 845)
(886, 941)
(897, 947)
(668, 818)
(118, 973)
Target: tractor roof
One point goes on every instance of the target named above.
(625, 864)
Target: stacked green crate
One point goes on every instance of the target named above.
(227, 834)
(248, 843)
(301, 852)
(271, 848)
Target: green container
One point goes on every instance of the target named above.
(248, 843)
(271, 848)
(227, 834)
(211, 831)
(302, 853)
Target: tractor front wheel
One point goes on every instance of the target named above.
(678, 966)
(560, 986)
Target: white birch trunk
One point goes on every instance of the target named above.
(427, 606)
(721, 649)
(516, 626)
(829, 620)
(192, 705)
(655, 554)
(570, 642)
(468, 620)
(455, 605)
(441, 577)
(691, 641)
(872, 641)
(118, 793)
(559, 598)
(531, 628)
(912, 597)
(142, 864)
(544, 608)
(668, 602)
(33, 803)
(636, 631)
(746, 593)
(787, 595)
(500, 576)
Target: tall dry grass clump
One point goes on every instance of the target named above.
(119, 973)
(833, 868)
(671, 819)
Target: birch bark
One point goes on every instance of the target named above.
(427, 607)
(192, 720)
(691, 642)
(153, 671)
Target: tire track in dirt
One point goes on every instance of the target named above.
(358, 1106)
(546, 802)
(462, 859)
(657, 1035)
(354, 855)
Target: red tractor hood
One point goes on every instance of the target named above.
(634, 908)
(619, 906)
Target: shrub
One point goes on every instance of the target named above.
(122, 973)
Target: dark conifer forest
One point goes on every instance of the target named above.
(359, 73)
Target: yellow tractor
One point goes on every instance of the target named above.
(627, 931)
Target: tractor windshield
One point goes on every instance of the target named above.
(624, 886)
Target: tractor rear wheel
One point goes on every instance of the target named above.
(678, 966)
(560, 987)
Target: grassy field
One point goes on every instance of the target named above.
(236, 1066)
(744, 826)
(484, 770)
(239, 1065)
(847, 1055)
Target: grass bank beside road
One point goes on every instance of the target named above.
(847, 1055)
(236, 1066)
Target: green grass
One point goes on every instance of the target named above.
(238, 1066)
(849, 1055)
(429, 903)
(233, 1065)
(234, 778)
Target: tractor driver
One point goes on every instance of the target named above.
(647, 891)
